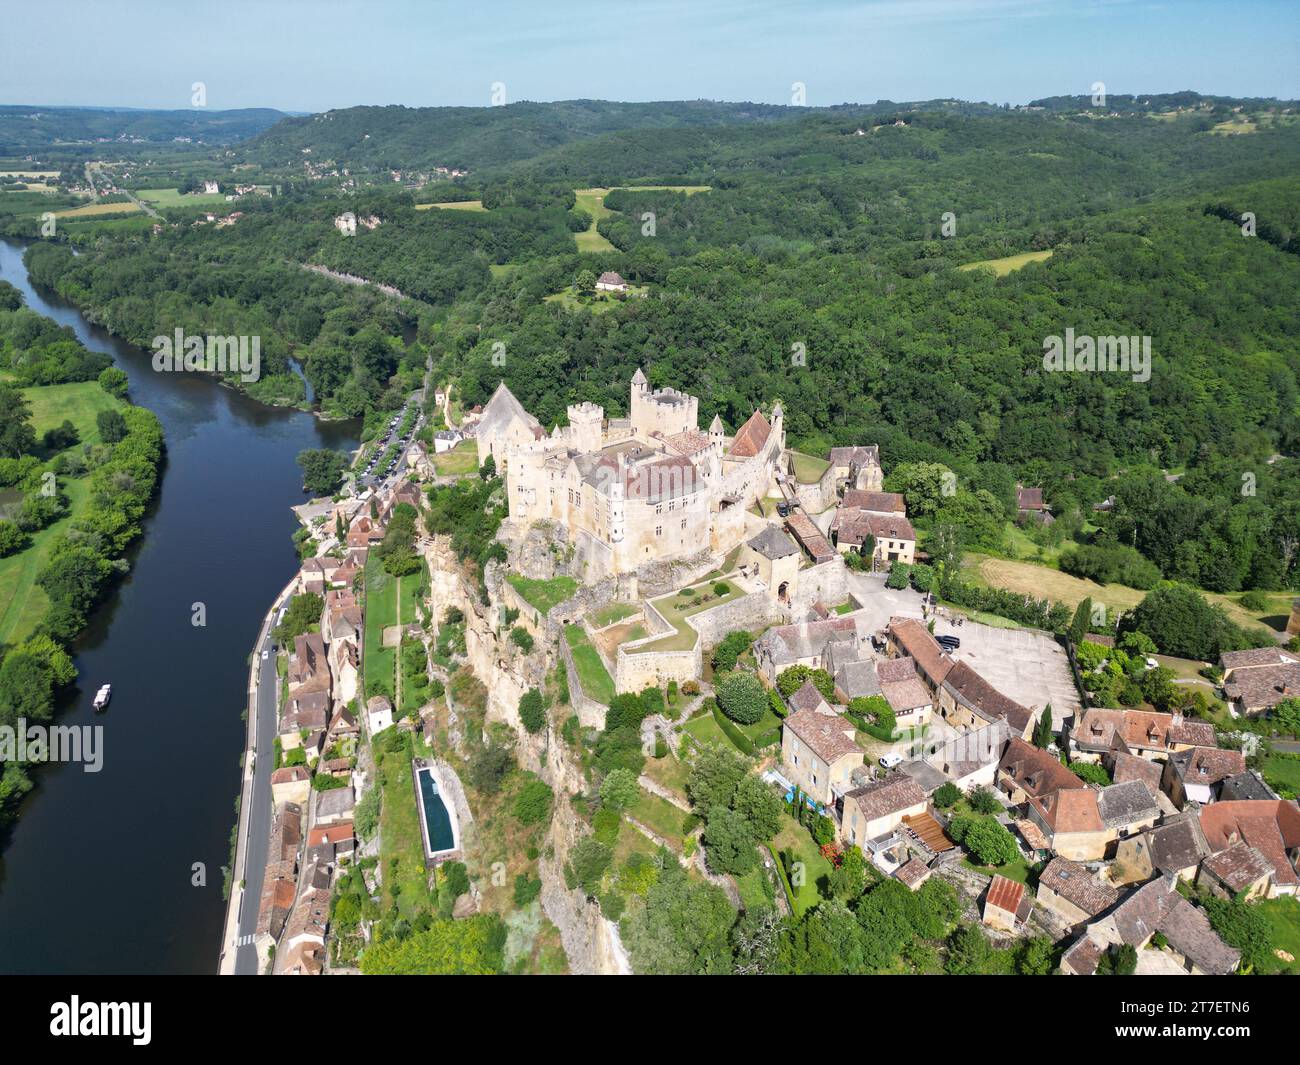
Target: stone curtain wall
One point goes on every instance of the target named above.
(828, 582)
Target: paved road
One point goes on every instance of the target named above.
(247, 962)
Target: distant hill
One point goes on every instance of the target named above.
(28, 128)
(379, 138)
(1159, 102)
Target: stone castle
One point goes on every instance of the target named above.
(649, 487)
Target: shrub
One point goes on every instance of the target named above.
(721, 588)
(983, 801)
(532, 805)
(532, 711)
(521, 638)
(742, 698)
(946, 795)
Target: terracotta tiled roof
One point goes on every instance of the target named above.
(826, 735)
(1271, 827)
(1029, 498)
(882, 502)
(913, 873)
(807, 697)
(1034, 770)
(751, 438)
(916, 642)
(1133, 767)
(1258, 656)
(970, 688)
(1009, 896)
(1139, 729)
(1206, 765)
(1261, 687)
(1071, 810)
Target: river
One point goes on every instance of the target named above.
(97, 874)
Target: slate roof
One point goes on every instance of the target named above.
(808, 639)
(1158, 907)
(868, 455)
(1247, 785)
(1075, 884)
(857, 680)
(1029, 498)
(1177, 844)
(1257, 656)
(807, 697)
(503, 408)
(1262, 687)
(913, 873)
(1126, 804)
(826, 735)
(1206, 765)
(611, 277)
(771, 542)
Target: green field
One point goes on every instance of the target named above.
(378, 662)
(660, 816)
(96, 210)
(596, 682)
(543, 595)
(795, 837)
(460, 461)
(22, 603)
(455, 205)
(174, 198)
(1283, 915)
(1283, 774)
(808, 468)
(593, 202)
(1002, 267)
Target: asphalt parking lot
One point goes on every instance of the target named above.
(1029, 667)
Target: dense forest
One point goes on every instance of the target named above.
(822, 264)
(26, 128)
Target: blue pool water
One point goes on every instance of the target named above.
(437, 819)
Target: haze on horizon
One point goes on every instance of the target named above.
(297, 55)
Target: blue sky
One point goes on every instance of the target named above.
(310, 55)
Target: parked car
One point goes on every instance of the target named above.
(891, 760)
(783, 509)
(948, 643)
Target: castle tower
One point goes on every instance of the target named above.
(778, 425)
(585, 426)
(715, 433)
(640, 392)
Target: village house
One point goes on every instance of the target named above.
(1144, 733)
(1071, 892)
(968, 701)
(878, 808)
(1191, 944)
(1007, 904)
(345, 668)
(1081, 823)
(893, 535)
(280, 880)
(291, 783)
(1238, 871)
(610, 281)
(1026, 772)
(1257, 680)
(379, 714)
(905, 692)
(328, 842)
(804, 644)
(365, 532)
(818, 750)
(909, 637)
(1124, 767)
(856, 467)
(875, 502)
(1270, 827)
(1175, 847)
(303, 945)
(774, 558)
(1030, 506)
(343, 725)
(308, 666)
(333, 805)
(1195, 775)
(446, 439)
(1247, 785)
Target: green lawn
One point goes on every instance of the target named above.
(1017, 870)
(173, 198)
(660, 816)
(409, 599)
(1002, 267)
(401, 853)
(595, 679)
(755, 889)
(543, 595)
(593, 202)
(79, 403)
(1283, 916)
(808, 468)
(705, 728)
(1283, 774)
(379, 662)
(460, 461)
(455, 205)
(669, 772)
(794, 837)
(614, 612)
(677, 608)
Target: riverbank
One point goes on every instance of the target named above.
(154, 825)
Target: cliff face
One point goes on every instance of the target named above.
(590, 941)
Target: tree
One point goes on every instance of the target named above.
(532, 710)
(532, 804)
(1081, 621)
(17, 437)
(726, 654)
(488, 470)
(759, 805)
(983, 801)
(969, 951)
(715, 776)
(946, 795)
(111, 425)
(619, 790)
(988, 842)
(521, 638)
(684, 929)
(113, 381)
(1244, 926)
(899, 576)
(585, 281)
(1036, 957)
(792, 679)
(742, 698)
(849, 879)
(322, 470)
(1180, 622)
(303, 613)
(1043, 735)
(730, 842)
(470, 947)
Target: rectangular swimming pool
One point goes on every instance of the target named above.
(439, 835)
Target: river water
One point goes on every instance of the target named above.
(97, 875)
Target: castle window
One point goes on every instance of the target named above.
(683, 523)
(659, 530)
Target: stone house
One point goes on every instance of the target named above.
(818, 752)
(909, 637)
(611, 281)
(773, 556)
(1071, 892)
(379, 714)
(1271, 827)
(1175, 847)
(291, 783)
(905, 692)
(878, 808)
(804, 644)
(1238, 871)
(967, 700)
(1007, 904)
(1195, 775)
(1146, 734)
